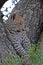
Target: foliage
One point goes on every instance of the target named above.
(33, 54)
(0, 62)
(12, 60)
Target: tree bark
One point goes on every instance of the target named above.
(33, 24)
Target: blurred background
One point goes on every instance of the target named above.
(6, 7)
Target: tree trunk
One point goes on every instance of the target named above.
(24, 24)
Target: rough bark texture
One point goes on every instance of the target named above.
(24, 24)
